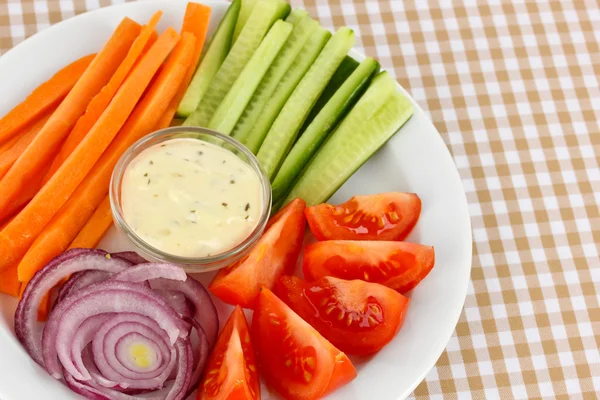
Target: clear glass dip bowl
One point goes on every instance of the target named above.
(190, 264)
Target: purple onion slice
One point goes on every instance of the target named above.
(72, 261)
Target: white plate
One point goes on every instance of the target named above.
(415, 160)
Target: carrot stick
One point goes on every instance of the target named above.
(195, 21)
(8, 158)
(93, 231)
(45, 96)
(9, 283)
(18, 236)
(102, 99)
(8, 144)
(46, 143)
(23, 197)
(65, 225)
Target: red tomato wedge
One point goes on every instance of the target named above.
(398, 265)
(230, 373)
(357, 317)
(292, 356)
(384, 216)
(274, 255)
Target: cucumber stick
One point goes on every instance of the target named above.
(301, 33)
(346, 68)
(245, 11)
(284, 130)
(217, 51)
(239, 95)
(285, 87)
(296, 16)
(349, 147)
(264, 14)
(316, 133)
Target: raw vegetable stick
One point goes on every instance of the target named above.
(195, 21)
(24, 196)
(43, 147)
(45, 96)
(102, 99)
(263, 16)
(9, 143)
(283, 132)
(350, 146)
(315, 134)
(8, 158)
(65, 225)
(20, 233)
(9, 283)
(95, 228)
(217, 51)
(236, 100)
(252, 133)
(304, 28)
(246, 9)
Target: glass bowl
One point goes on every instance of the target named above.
(190, 264)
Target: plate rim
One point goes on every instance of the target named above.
(354, 53)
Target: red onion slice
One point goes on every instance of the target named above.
(118, 331)
(80, 280)
(84, 336)
(206, 312)
(201, 357)
(175, 390)
(72, 261)
(130, 256)
(149, 271)
(108, 296)
(178, 301)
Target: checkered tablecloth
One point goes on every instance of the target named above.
(512, 85)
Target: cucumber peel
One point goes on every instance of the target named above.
(345, 69)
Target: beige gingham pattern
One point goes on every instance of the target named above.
(512, 85)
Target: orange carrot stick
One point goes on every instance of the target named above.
(65, 225)
(195, 21)
(8, 158)
(8, 144)
(45, 96)
(23, 197)
(93, 231)
(102, 99)
(46, 143)
(18, 236)
(9, 283)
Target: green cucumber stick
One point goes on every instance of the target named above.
(211, 61)
(283, 132)
(302, 32)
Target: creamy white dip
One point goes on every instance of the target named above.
(191, 198)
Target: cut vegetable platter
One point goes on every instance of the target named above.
(355, 306)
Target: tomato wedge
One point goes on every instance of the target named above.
(357, 317)
(398, 265)
(292, 356)
(274, 255)
(384, 216)
(230, 373)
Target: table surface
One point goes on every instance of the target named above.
(512, 85)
